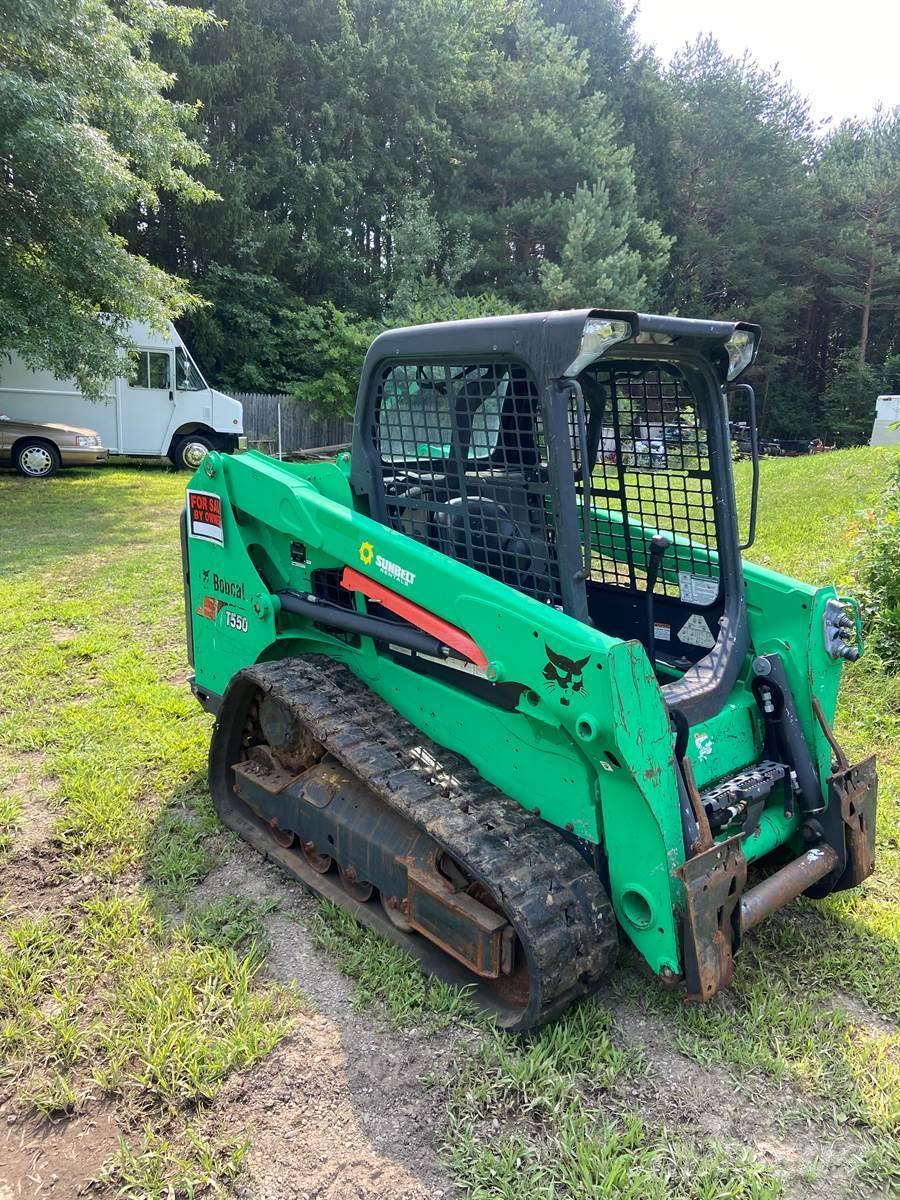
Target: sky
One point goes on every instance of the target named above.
(845, 56)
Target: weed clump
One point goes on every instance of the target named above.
(879, 575)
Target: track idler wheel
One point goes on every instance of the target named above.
(292, 744)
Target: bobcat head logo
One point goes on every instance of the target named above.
(564, 673)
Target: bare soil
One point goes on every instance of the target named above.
(348, 1107)
(54, 1158)
(352, 1087)
(33, 877)
(30, 879)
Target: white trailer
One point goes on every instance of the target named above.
(887, 414)
(161, 408)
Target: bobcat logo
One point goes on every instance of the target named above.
(564, 673)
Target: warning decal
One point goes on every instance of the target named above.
(205, 517)
(698, 589)
(696, 632)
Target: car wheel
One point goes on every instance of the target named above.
(191, 451)
(36, 459)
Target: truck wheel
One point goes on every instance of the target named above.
(190, 451)
(36, 458)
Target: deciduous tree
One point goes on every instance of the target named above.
(86, 131)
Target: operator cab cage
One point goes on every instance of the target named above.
(547, 449)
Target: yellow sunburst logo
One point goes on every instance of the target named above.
(366, 553)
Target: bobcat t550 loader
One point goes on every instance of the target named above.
(499, 683)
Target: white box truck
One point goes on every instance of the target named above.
(886, 430)
(165, 409)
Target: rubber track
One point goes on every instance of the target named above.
(553, 897)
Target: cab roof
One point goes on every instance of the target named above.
(553, 338)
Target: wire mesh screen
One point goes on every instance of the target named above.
(464, 470)
(652, 474)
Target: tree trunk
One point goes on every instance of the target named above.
(866, 312)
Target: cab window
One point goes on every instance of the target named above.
(187, 377)
(150, 369)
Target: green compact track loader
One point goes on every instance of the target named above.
(498, 681)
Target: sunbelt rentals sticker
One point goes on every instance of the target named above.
(393, 570)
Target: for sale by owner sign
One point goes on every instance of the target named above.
(205, 517)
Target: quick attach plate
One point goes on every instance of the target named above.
(855, 791)
(713, 883)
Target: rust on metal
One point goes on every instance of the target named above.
(856, 791)
(396, 912)
(284, 837)
(261, 766)
(455, 920)
(359, 889)
(713, 883)
(705, 839)
(842, 759)
(321, 863)
(787, 884)
(853, 789)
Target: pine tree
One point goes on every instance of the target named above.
(860, 178)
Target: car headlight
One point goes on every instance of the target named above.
(598, 335)
(84, 440)
(740, 347)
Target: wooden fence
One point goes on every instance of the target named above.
(299, 430)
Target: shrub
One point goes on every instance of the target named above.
(849, 400)
(879, 575)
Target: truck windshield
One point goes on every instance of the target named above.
(188, 378)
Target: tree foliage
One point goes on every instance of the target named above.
(879, 575)
(860, 179)
(383, 161)
(86, 134)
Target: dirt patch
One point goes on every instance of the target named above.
(315, 1132)
(860, 1013)
(772, 1119)
(347, 1108)
(293, 958)
(54, 1158)
(22, 776)
(32, 878)
(63, 633)
(342, 1110)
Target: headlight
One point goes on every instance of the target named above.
(740, 347)
(596, 337)
(84, 440)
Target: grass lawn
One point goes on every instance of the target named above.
(104, 999)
